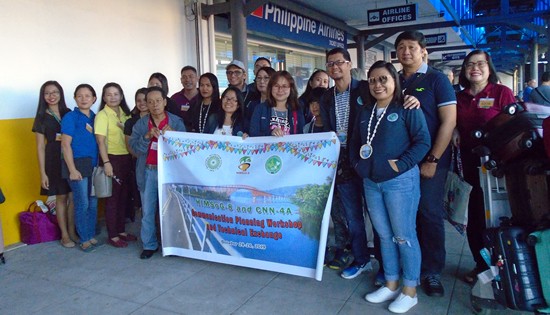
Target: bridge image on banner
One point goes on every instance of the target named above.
(261, 202)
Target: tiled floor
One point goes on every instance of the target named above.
(49, 279)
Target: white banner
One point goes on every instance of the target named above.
(262, 202)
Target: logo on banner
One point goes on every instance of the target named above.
(213, 162)
(273, 165)
(244, 164)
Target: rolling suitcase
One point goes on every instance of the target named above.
(513, 132)
(518, 284)
(541, 241)
(527, 186)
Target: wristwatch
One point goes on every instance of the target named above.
(432, 159)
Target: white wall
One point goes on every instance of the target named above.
(85, 41)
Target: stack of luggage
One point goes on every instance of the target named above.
(518, 249)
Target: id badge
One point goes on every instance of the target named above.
(342, 136)
(486, 103)
(184, 107)
(154, 146)
(58, 137)
(89, 128)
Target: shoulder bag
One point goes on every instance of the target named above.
(457, 194)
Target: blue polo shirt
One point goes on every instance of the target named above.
(81, 128)
(433, 92)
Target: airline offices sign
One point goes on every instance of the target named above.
(282, 23)
(399, 14)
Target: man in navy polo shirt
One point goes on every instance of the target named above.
(438, 102)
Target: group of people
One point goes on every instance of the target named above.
(393, 162)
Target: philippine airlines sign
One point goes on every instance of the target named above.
(282, 23)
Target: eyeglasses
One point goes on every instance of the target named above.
(281, 87)
(338, 63)
(479, 64)
(383, 79)
(262, 79)
(229, 99)
(56, 93)
(233, 73)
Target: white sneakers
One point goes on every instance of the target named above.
(401, 302)
(383, 294)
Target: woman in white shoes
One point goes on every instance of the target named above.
(388, 143)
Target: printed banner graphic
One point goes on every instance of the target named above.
(262, 202)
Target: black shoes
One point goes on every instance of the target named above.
(2, 259)
(432, 286)
(148, 253)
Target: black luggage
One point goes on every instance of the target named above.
(527, 186)
(512, 133)
(518, 284)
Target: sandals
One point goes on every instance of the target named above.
(128, 237)
(88, 249)
(118, 243)
(68, 244)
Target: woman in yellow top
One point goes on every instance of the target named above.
(109, 131)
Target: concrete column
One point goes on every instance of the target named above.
(521, 79)
(535, 62)
(238, 31)
(360, 52)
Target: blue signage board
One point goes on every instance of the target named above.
(436, 39)
(453, 56)
(405, 13)
(282, 23)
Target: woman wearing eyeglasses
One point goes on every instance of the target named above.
(388, 142)
(482, 99)
(228, 121)
(262, 79)
(280, 114)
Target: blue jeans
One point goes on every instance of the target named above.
(150, 200)
(393, 205)
(431, 219)
(85, 208)
(350, 196)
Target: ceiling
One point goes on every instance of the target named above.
(505, 28)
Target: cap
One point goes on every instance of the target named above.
(236, 63)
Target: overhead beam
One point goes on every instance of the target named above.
(401, 28)
(532, 26)
(509, 44)
(378, 40)
(215, 9)
(452, 12)
(496, 19)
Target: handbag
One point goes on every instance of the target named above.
(36, 226)
(83, 165)
(457, 194)
(102, 184)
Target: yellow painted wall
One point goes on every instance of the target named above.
(19, 174)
